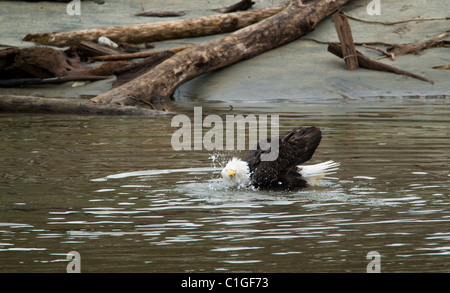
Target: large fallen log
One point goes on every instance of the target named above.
(157, 85)
(158, 31)
(30, 104)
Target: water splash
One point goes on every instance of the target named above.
(153, 172)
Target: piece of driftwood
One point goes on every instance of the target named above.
(346, 38)
(366, 62)
(372, 45)
(442, 67)
(136, 55)
(31, 104)
(239, 6)
(158, 31)
(346, 96)
(107, 68)
(67, 1)
(398, 21)
(97, 49)
(385, 54)
(87, 49)
(19, 82)
(45, 63)
(161, 13)
(39, 62)
(414, 48)
(157, 85)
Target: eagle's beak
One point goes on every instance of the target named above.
(232, 173)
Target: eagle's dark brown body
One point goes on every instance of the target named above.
(295, 147)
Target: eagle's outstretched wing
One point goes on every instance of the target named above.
(295, 148)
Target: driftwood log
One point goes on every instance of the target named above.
(19, 82)
(418, 19)
(442, 67)
(88, 49)
(366, 62)
(346, 38)
(39, 62)
(42, 65)
(157, 85)
(158, 31)
(414, 48)
(161, 13)
(136, 55)
(240, 6)
(31, 104)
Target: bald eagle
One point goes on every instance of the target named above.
(285, 172)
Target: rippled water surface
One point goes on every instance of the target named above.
(114, 190)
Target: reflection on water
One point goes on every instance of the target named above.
(113, 189)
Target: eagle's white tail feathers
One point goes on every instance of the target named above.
(314, 173)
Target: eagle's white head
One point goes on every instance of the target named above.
(236, 173)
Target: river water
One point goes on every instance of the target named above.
(114, 190)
